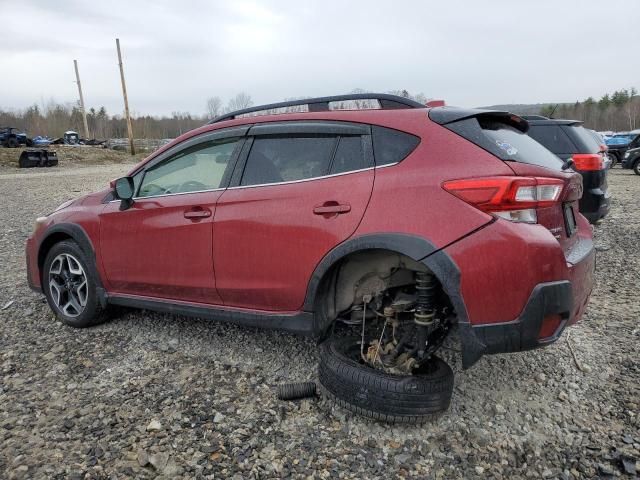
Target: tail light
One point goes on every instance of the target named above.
(588, 161)
(516, 199)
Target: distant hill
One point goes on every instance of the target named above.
(522, 108)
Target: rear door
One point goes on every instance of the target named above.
(299, 189)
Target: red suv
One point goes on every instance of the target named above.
(376, 231)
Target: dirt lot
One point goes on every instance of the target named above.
(152, 395)
(69, 157)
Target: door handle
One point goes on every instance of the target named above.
(197, 213)
(329, 208)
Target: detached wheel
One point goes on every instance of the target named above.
(379, 395)
(69, 283)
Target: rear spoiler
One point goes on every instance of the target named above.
(446, 115)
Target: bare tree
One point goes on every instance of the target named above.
(214, 107)
(240, 101)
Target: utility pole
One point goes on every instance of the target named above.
(126, 102)
(84, 112)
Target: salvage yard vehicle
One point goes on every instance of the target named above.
(632, 160)
(10, 138)
(376, 231)
(619, 143)
(573, 143)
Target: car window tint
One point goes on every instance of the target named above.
(553, 138)
(286, 159)
(513, 145)
(584, 140)
(201, 167)
(392, 146)
(349, 155)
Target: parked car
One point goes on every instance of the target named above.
(573, 144)
(405, 220)
(10, 138)
(621, 142)
(632, 160)
(609, 160)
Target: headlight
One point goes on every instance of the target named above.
(39, 223)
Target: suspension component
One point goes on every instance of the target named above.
(426, 285)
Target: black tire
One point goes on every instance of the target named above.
(92, 313)
(613, 158)
(12, 142)
(636, 167)
(375, 394)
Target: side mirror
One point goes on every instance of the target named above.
(124, 191)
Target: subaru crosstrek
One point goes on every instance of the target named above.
(376, 231)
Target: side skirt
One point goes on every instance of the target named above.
(300, 323)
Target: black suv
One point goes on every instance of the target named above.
(632, 160)
(570, 141)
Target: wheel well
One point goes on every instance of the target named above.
(47, 244)
(357, 274)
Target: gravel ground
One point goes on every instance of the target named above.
(150, 395)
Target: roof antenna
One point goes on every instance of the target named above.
(553, 111)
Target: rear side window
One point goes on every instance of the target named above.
(286, 159)
(505, 142)
(392, 146)
(586, 142)
(349, 155)
(553, 138)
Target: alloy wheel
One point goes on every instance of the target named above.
(68, 285)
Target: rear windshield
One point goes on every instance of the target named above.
(553, 138)
(505, 142)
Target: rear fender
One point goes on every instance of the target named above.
(416, 248)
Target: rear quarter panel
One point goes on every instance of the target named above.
(409, 198)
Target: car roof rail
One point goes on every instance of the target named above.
(321, 104)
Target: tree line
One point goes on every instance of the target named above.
(53, 119)
(619, 111)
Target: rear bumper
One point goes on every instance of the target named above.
(551, 307)
(595, 204)
(548, 300)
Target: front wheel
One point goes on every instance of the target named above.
(412, 398)
(636, 168)
(69, 283)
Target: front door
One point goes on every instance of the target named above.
(162, 245)
(298, 197)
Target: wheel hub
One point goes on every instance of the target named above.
(68, 285)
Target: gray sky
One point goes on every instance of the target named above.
(179, 53)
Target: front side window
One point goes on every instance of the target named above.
(195, 169)
(287, 159)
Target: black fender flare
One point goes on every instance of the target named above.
(415, 247)
(78, 235)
